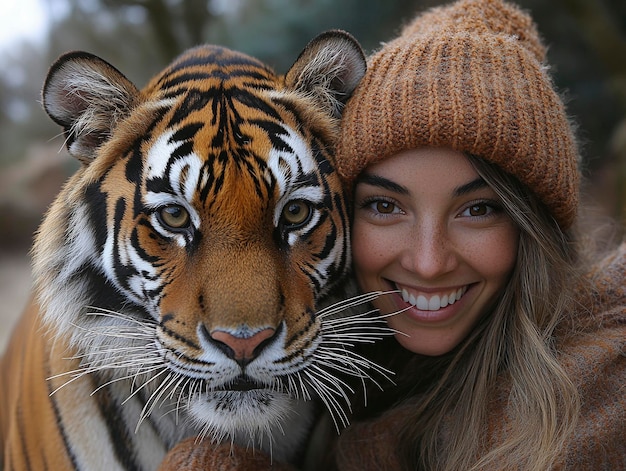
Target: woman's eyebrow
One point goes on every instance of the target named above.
(469, 187)
(381, 182)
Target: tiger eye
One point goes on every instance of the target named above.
(296, 213)
(174, 216)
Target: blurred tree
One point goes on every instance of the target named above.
(175, 25)
(4, 97)
(603, 31)
(21, 118)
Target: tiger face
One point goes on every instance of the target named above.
(189, 259)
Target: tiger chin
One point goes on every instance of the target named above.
(184, 274)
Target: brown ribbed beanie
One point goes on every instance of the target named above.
(469, 76)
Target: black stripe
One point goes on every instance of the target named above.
(194, 100)
(155, 185)
(181, 339)
(119, 434)
(59, 419)
(274, 131)
(122, 272)
(173, 82)
(135, 239)
(316, 285)
(252, 100)
(187, 132)
(308, 179)
(324, 163)
(219, 56)
(102, 293)
(134, 163)
(21, 430)
(176, 82)
(96, 201)
(206, 170)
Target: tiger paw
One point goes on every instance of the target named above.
(191, 455)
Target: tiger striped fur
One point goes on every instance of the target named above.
(181, 273)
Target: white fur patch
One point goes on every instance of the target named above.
(184, 175)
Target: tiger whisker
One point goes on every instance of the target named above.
(76, 377)
(180, 396)
(133, 393)
(132, 350)
(336, 412)
(368, 317)
(106, 331)
(296, 386)
(99, 311)
(154, 398)
(94, 368)
(356, 368)
(343, 305)
(176, 407)
(340, 385)
(152, 401)
(77, 374)
(123, 378)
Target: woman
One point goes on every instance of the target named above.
(509, 351)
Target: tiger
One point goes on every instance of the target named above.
(185, 277)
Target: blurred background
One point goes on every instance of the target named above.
(587, 52)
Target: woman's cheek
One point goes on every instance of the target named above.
(369, 247)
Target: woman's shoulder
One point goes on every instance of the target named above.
(607, 284)
(607, 276)
(593, 334)
(593, 355)
(599, 299)
(594, 330)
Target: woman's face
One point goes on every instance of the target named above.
(426, 225)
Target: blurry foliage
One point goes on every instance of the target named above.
(586, 38)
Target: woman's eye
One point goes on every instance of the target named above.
(378, 206)
(174, 216)
(384, 207)
(296, 213)
(478, 210)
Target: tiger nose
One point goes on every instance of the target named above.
(242, 348)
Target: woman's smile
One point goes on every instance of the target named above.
(432, 307)
(425, 301)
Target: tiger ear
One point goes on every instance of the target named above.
(330, 67)
(87, 96)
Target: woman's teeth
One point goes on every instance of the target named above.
(434, 302)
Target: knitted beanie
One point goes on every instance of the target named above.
(469, 76)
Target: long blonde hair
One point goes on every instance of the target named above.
(513, 349)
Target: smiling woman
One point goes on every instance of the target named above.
(509, 347)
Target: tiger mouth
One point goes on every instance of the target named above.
(242, 383)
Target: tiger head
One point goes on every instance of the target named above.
(188, 259)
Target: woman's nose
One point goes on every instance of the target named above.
(428, 252)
